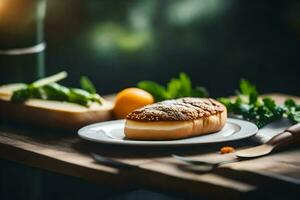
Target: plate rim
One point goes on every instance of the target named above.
(241, 123)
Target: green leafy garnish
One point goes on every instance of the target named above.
(158, 91)
(48, 89)
(292, 110)
(176, 88)
(57, 92)
(260, 111)
(33, 90)
(87, 85)
(246, 88)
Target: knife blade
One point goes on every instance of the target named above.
(271, 130)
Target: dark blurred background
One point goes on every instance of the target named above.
(118, 43)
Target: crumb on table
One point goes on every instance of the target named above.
(227, 149)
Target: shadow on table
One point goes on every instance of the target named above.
(123, 151)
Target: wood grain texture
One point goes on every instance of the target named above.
(65, 153)
(47, 115)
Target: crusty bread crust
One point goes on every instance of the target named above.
(182, 109)
(199, 121)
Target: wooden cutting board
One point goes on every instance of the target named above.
(52, 114)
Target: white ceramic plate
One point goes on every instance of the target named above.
(112, 132)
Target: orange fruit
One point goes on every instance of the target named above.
(130, 99)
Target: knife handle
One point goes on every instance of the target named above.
(295, 131)
(290, 135)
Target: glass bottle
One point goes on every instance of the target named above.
(22, 46)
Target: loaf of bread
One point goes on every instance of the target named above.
(175, 119)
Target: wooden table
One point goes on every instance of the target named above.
(65, 153)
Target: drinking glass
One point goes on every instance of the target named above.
(22, 46)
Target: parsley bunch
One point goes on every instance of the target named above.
(260, 111)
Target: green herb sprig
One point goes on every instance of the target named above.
(175, 88)
(48, 89)
(260, 111)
